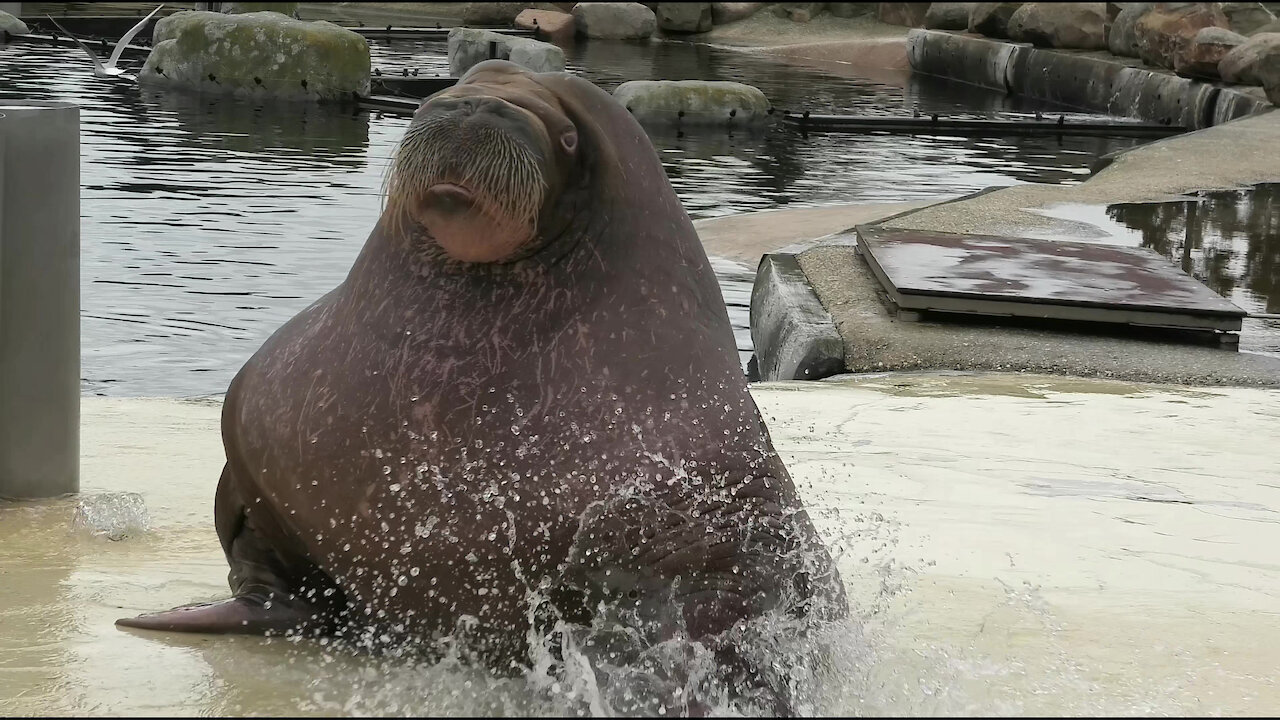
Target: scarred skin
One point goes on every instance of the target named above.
(564, 417)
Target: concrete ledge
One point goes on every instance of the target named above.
(875, 341)
(1089, 81)
(794, 335)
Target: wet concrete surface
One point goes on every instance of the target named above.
(1012, 544)
(875, 341)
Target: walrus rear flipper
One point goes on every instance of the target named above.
(272, 595)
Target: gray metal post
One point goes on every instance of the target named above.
(39, 298)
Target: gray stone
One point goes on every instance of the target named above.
(12, 25)
(992, 19)
(798, 12)
(723, 13)
(684, 17)
(1201, 56)
(1247, 64)
(240, 8)
(264, 54)
(614, 20)
(795, 338)
(1271, 27)
(469, 46)
(948, 15)
(691, 103)
(908, 14)
(1247, 18)
(1121, 38)
(851, 10)
(493, 13)
(1164, 31)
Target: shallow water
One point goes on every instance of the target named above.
(1013, 544)
(208, 222)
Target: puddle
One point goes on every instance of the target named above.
(1227, 239)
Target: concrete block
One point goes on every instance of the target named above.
(795, 337)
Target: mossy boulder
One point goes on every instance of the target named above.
(263, 54)
(691, 103)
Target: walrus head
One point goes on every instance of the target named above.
(483, 164)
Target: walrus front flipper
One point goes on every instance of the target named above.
(275, 592)
(238, 615)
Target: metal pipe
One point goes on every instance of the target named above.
(39, 298)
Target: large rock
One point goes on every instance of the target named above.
(723, 13)
(551, 25)
(908, 14)
(1122, 38)
(684, 17)
(1168, 28)
(493, 13)
(798, 12)
(1247, 18)
(1078, 26)
(992, 19)
(694, 103)
(1271, 27)
(1201, 56)
(469, 46)
(614, 20)
(948, 15)
(12, 25)
(1248, 63)
(262, 54)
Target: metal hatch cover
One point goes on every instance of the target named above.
(1012, 276)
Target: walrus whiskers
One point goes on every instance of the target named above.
(503, 174)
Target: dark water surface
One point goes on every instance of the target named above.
(208, 222)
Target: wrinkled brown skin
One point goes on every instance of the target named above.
(531, 393)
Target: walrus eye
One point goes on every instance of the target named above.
(569, 141)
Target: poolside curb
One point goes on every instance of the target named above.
(795, 338)
(1090, 81)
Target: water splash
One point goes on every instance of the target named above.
(115, 516)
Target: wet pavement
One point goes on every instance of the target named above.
(1012, 544)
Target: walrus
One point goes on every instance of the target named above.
(523, 403)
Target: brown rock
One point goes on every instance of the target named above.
(1201, 56)
(948, 15)
(992, 19)
(1166, 30)
(909, 14)
(726, 12)
(1078, 26)
(1247, 63)
(551, 25)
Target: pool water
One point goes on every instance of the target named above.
(208, 222)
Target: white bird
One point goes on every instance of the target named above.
(111, 70)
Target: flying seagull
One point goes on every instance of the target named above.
(110, 70)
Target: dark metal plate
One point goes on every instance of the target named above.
(1027, 277)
